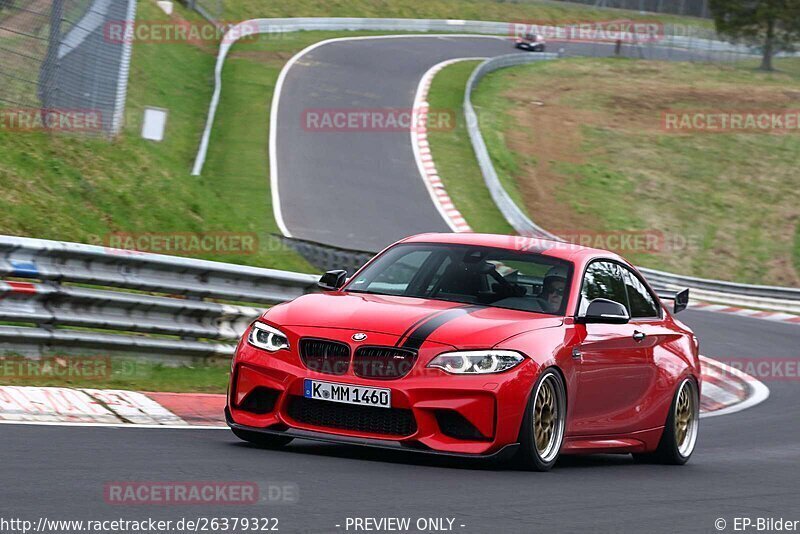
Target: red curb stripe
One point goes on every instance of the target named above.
(708, 405)
(194, 408)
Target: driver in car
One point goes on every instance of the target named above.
(553, 287)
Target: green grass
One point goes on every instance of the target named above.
(72, 188)
(732, 199)
(455, 159)
(76, 189)
(494, 10)
(495, 123)
(124, 373)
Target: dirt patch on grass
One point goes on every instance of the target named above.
(26, 18)
(550, 133)
(564, 125)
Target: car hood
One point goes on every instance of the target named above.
(459, 325)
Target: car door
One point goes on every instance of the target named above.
(614, 368)
(655, 339)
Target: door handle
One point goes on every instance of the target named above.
(638, 336)
(576, 354)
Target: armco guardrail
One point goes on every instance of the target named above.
(672, 38)
(57, 313)
(784, 299)
(169, 315)
(515, 216)
(730, 293)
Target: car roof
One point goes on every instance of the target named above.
(547, 247)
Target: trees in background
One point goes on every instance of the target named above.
(772, 25)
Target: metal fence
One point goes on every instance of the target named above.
(57, 60)
(67, 297)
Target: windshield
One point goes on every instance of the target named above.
(471, 275)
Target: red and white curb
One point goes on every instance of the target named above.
(744, 312)
(422, 150)
(725, 390)
(109, 407)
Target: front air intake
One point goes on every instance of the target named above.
(383, 362)
(325, 356)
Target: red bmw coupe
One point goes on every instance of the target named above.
(475, 345)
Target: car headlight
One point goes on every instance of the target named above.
(266, 337)
(477, 362)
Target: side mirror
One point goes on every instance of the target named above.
(605, 311)
(332, 280)
(681, 301)
(681, 298)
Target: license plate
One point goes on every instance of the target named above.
(348, 394)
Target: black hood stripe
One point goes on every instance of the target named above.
(414, 325)
(424, 330)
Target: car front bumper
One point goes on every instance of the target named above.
(439, 412)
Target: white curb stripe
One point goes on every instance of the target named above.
(82, 406)
(422, 152)
(135, 407)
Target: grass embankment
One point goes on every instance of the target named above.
(583, 142)
(76, 189)
(107, 373)
(532, 11)
(454, 157)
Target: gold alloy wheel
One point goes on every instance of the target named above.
(686, 415)
(546, 418)
(683, 415)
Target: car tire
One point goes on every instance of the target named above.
(264, 441)
(544, 424)
(680, 431)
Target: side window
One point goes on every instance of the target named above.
(642, 302)
(603, 280)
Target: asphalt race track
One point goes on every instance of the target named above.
(359, 190)
(746, 463)
(363, 190)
